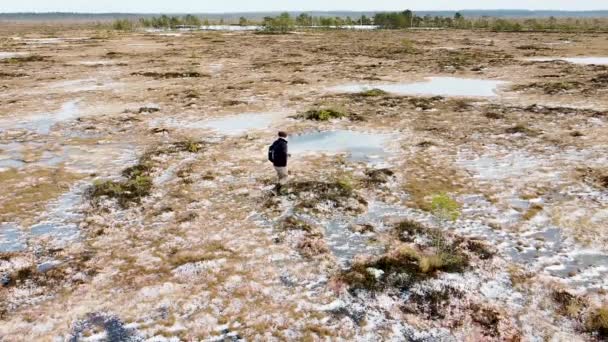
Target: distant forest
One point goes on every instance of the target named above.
(234, 17)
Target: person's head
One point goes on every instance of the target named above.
(283, 134)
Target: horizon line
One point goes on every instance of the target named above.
(303, 11)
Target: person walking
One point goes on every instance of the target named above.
(278, 155)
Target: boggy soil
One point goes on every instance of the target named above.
(485, 220)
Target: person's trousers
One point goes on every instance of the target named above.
(282, 174)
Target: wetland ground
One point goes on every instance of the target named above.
(445, 185)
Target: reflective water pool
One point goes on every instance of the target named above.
(11, 238)
(42, 123)
(433, 86)
(360, 146)
(7, 55)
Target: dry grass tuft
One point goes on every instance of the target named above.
(597, 322)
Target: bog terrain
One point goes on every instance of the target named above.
(445, 186)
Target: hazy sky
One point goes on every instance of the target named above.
(276, 5)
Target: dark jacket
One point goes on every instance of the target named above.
(278, 153)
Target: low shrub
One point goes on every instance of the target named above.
(340, 193)
(400, 268)
(312, 246)
(521, 129)
(445, 207)
(130, 190)
(378, 176)
(408, 46)
(293, 223)
(189, 145)
(569, 304)
(532, 212)
(550, 88)
(427, 251)
(432, 303)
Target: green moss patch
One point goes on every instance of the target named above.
(372, 92)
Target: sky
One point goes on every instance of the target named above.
(202, 6)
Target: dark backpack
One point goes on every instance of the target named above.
(271, 153)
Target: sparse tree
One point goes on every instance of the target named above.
(304, 20)
(283, 23)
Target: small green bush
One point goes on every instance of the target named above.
(323, 114)
(445, 207)
(346, 184)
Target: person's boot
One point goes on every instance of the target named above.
(278, 189)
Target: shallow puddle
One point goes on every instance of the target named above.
(95, 63)
(41, 123)
(360, 146)
(101, 159)
(89, 84)
(11, 156)
(497, 167)
(11, 238)
(93, 158)
(543, 249)
(573, 60)
(432, 86)
(59, 225)
(345, 244)
(497, 163)
(61, 221)
(7, 55)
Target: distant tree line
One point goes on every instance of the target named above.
(284, 22)
(408, 19)
(165, 21)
